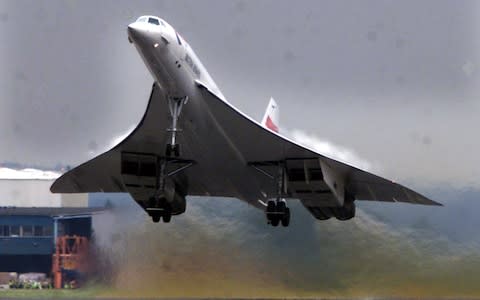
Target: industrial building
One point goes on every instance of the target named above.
(28, 235)
(40, 231)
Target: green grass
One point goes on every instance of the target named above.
(86, 292)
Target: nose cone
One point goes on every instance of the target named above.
(137, 33)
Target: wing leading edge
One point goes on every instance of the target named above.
(103, 173)
(272, 147)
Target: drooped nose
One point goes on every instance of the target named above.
(136, 32)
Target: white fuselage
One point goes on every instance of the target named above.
(178, 71)
(169, 58)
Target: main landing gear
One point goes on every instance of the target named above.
(175, 105)
(157, 205)
(160, 205)
(159, 208)
(278, 212)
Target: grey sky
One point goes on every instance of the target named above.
(393, 81)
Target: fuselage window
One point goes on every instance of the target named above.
(153, 21)
(142, 19)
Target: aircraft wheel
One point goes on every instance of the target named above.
(167, 217)
(270, 209)
(275, 220)
(286, 218)
(156, 217)
(281, 208)
(167, 214)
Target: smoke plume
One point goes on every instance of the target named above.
(330, 150)
(224, 248)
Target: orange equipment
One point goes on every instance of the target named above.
(71, 253)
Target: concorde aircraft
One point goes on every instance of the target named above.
(192, 142)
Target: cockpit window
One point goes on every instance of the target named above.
(153, 21)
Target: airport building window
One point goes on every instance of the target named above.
(47, 231)
(15, 230)
(38, 230)
(6, 230)
(27, 230)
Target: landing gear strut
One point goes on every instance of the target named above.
(175, 105)
(277, 211)
(158, 206)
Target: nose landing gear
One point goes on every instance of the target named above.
(165, 201)
(175, 105)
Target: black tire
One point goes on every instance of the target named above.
(167, 217)
(351, 210)
(323, 214)
(167, 214)
(271, 207)
(281, 207)
(275, 220)
(156, 217)
(286, 218)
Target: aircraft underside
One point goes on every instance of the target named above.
(191, 141)
(168, 167)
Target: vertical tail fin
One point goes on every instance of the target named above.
(271, 119)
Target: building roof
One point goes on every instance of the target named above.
(50, 211)
(27, 174)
